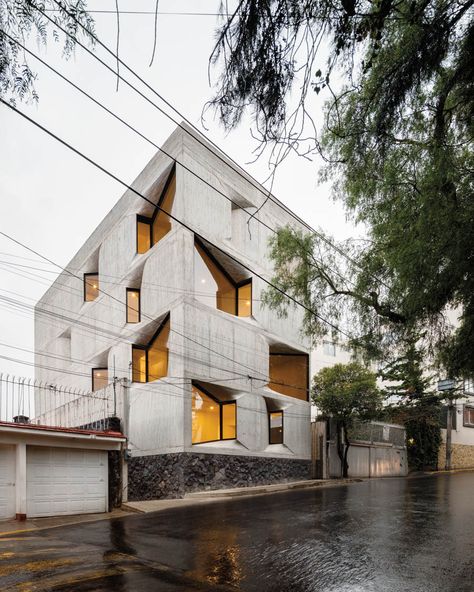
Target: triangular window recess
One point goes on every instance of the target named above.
(150, 230)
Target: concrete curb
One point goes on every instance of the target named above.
(205, 497)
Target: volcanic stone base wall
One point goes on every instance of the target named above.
(173, 475)
(462, 456)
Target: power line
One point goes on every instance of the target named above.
(171, 216)
(224, 159)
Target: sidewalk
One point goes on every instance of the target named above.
(206, 497)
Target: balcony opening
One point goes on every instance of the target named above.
(289, 373)
(213, 419)
(150, 230)
(150, 362)
(215, 286)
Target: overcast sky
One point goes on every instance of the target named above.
(52, 200)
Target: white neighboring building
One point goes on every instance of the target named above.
(218, 384)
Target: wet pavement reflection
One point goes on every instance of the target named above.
(391, 535)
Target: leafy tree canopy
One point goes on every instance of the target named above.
(397, 142)
(20, 19)
(346, 392)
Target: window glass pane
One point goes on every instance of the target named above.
(205, 418)
(244, 295)
(276, 427)
(158, 355)
(143, 236)
(133, 306)
(329, 348)
(211, 285)
(468, 416)
(100, 378)
(289, 375)
(91, 286)
(162, 222)
(138, 365)
(229, 428)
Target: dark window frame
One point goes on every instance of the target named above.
(221, 421)
(235, 284)
(147, 347)
(308, 388)
(127, 290)
(280, 411)
(150, 220)
(92, 376)
(466, 406)
(85, 275)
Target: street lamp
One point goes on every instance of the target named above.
(447, 385)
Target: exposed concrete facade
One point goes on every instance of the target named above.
(205, 344)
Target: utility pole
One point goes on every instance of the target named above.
(448, 385)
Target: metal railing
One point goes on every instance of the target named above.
(26, 400)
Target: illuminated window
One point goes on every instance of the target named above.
(143, 234)
(213, 286)
(468, 416)
(100, 378)
(91, 286)
(289, 374)
(212, 419)
(151, 230)
(133, 305)
(151, 362)
(275, 422)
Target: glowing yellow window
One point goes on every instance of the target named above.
(91, 286)
(276, 427)
(289, 374)
(100, 378)
(143, 234)
(138, 364)
(133, 305)
(244, 300)
(162, 221)
(212, 420)
(158, 354)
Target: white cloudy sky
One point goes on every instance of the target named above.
(51, 200)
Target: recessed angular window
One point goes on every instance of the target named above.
(289, 374)
(214, 286)
(150, 362)
(212, 419)
(275, 424)
(100, 378)
(91, 286)
(150, 230)
(133, 305)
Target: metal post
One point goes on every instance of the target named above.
(449, 428)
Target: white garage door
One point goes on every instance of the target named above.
(65, 481)
(7, 481)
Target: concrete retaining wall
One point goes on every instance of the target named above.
(462, 456)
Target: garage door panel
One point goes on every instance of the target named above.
(65, 481)
(7, 481)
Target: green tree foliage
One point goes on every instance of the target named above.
(418, 406)
(20, 19)
(346, 392)
(397, 141)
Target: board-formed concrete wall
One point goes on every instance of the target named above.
(205, 344)
(367, 460)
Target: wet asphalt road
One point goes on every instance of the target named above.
(390, 535)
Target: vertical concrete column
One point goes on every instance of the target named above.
(20, 481)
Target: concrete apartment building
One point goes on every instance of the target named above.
(214, 384)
